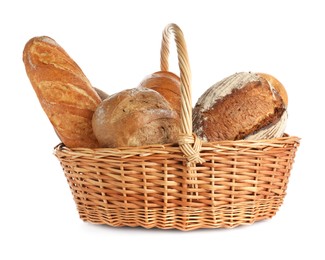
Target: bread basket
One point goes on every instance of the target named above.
(185, 186)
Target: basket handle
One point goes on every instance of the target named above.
(188, 142)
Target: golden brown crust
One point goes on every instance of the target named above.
(135, 117)
(277, 85)
(64, 92)
(168, 85)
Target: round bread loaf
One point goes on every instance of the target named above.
(135, 117)
(168, 85)
(243, 105)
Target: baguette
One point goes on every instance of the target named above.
(64, 92)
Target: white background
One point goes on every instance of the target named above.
(117, 43)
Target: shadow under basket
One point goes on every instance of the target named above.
(240, 182)
(185, 186)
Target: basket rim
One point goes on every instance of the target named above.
(162, 148)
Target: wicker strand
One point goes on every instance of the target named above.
(192, 153)
(188, 142)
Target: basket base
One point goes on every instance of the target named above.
(183, 218)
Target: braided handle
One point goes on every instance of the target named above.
(189, 143)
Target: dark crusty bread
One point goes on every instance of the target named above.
(237, 107)
(63, 90)
(135, 117)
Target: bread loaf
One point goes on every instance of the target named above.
(63, 90)
(135, 117)
(102, 94)
(244, 105)
(168, 85)
(277, 85)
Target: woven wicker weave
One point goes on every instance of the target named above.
(185, 186)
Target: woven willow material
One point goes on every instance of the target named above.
(185, 186)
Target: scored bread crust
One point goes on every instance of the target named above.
(168, 85)
(236, 107)
(135, 117)
(63, 90)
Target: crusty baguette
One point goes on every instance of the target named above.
(64, 92)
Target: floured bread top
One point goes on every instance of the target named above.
(271, 131)
(239, 106)
(49, 40)
(225, 87)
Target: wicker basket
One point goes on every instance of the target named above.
(185, 186)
